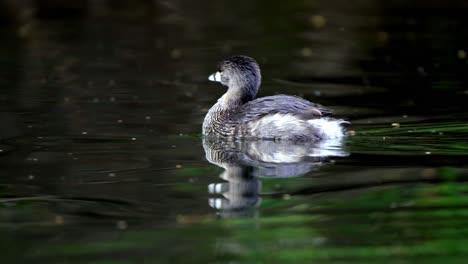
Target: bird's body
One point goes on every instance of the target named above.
(280, 117)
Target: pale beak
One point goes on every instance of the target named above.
(215, 77)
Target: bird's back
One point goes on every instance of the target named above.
(285, 117)
(280, 104)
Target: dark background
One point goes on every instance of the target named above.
(101, 105)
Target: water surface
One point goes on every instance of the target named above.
(101, 159)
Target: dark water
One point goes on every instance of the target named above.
(101, 159)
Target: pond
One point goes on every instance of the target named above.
(102, 158)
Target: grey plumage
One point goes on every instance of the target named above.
(237, 114)
(283, 104)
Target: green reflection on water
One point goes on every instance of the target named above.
(426, 222)
(443, 138)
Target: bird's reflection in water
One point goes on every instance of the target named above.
(245, 161)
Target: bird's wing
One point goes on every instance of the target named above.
(280, 104)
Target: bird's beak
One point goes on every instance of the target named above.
(215, 77)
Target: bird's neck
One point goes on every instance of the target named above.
(229, 101)
(237, 95)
